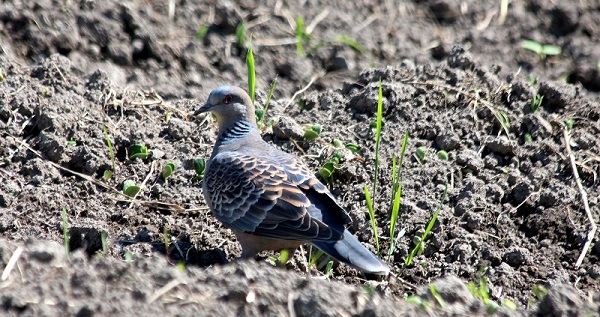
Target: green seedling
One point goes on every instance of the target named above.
(539, 291)
(128, 256)
(166, 240)
(251, 71)
(533, 79)
(108, 173)
(396, 195)
(569, 124)
(370, 205)
(328, 169)
(181, 266)
(502, 118)
(168, 170)
(240, 35)
(312, 132)
(421, 154)
(71, 143)
(527, 137)
(168, 116)
(65, 227)
(329, 269)
(130, 188)
(262, 113)
(442, 155)
(199, 167)
(417, 301)
(138, 151)
(301, 36)
(373, 125)
(371, 210)
(542, 50)
(368, 290)
(337, 143)
(283, 258)
(509, 304)
(419, 247)
(353, 147)
(202, 32)
(436, 296)
(104, 240)
(536, 102)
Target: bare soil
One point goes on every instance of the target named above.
(75, 73)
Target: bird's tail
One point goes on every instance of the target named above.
(351, 252)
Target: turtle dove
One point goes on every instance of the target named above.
(269, 198)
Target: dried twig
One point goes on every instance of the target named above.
(163, 290)
(583, 194)
(299, 92)
(11, 263)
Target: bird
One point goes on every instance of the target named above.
(269, 198)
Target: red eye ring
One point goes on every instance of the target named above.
(227, 99)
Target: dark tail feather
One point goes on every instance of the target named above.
(351, 252)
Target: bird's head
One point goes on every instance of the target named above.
(229, 103)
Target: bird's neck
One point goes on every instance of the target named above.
(240, 129)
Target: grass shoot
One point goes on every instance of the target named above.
(251, 71)
(420, 241)
(396, 195)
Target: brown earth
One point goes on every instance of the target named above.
(514, 216)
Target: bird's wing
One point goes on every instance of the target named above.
(255, 195)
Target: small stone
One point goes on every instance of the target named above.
(287, 128)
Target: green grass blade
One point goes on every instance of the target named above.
(418, 249)
(377, 138)
(251, 71)
(372, 217)
(300, 35)
(396, 193)
(268, 102)
(111, 152)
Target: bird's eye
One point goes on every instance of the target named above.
(227, 99)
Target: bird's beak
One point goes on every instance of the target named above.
(203, 109)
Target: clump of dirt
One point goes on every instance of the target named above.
(80, 85)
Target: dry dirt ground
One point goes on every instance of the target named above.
(454, 76)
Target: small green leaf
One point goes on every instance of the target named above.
(549, 49)
(532, 46)
(337, 143)
(199, 166)
(337, 157)
(527, 137)
(569, 124)
(327, 170)
(421, 152)
(353, 147)
(442, 155)
(138, 150)
(201, 34)
(130, 188)
(533, 79)
(107, 175)
(168, 170)
(509, 304)
(313, 132)
(240, 35)
(71, 143)
(260, 114)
